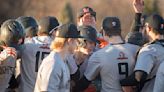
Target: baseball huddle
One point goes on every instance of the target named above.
(47, 56)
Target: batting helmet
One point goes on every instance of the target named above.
(10, 33)
(29, 25)
(46, 24)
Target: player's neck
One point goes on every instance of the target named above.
(157, 37)
(64, 52)
(115, 40)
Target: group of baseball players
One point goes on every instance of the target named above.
(47, 56)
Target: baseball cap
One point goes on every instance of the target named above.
(29, 25)
(85, 10)
(46, 24)
(88, 33)
(111, 26)
(111, 23)
(156, 21)
(27, 21)
(68, 30)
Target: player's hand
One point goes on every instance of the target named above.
(79, 57)
(7, 52)
(128, 89)
(138, 6)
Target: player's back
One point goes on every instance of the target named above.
(159, 80)
(149, 59)
(117, 62)
(32, 56)
(7, 68)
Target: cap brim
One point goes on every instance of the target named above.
(92, 40)
(54, 29)
(70, 36)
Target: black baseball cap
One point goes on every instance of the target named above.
(111, 23)
(88, 33)
(68, 30)
(27, 21)
(29, 25)
(85, 10)
(156, 22)
(46, 24)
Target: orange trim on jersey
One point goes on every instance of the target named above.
(103, 42)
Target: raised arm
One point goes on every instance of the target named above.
(134, 36)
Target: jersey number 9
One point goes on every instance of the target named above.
(123, 69)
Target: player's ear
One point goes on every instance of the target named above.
(69, 40)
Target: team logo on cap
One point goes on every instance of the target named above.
(113, 23)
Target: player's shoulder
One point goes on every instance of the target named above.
(149, 48)
(42, 39)
(99, 51)
(49, 60)
(129, 45)
(99, 54)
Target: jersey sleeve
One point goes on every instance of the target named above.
(159, 81)
(93, 68)
(145, 60)
(43, 76)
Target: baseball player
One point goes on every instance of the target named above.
(146, 68)
(30, 28)
(11, 36)
(159, 80)
(86, 44)
(34, 51)
(87, 17)
(85, 47)
(113, 62)
(54, 74)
